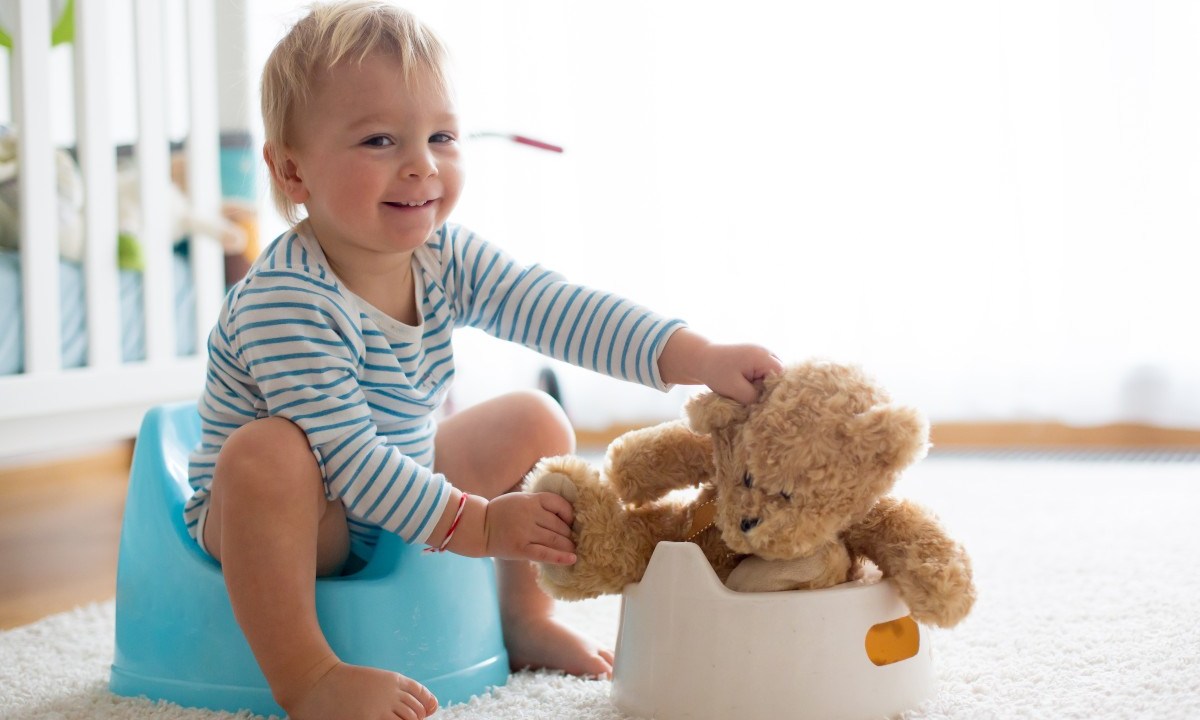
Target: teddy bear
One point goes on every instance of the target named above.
(793, 493)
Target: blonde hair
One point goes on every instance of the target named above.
(330, 33)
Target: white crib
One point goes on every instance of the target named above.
(48, 407)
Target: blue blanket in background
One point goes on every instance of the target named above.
(74, 313)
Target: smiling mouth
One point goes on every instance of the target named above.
(402, 204)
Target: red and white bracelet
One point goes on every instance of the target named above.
(462, 503)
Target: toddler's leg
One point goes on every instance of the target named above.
(273, 532)
(487, 450)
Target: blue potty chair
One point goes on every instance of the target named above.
(434, 618)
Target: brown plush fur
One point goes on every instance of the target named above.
(802, 473)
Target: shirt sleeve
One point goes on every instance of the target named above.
(538, 308)
(301, 342)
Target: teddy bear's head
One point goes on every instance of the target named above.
(811, 456)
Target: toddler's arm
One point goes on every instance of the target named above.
(514, 526)
(730, 370)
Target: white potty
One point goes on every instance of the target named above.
(690, 648)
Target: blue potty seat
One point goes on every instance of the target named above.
(434, 618)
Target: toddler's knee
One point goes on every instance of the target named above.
(545, 423)
(266, 455)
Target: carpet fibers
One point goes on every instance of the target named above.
(1089, 607)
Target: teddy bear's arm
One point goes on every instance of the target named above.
(931, 570)
(646, 464)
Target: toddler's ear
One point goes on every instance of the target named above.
(709, 412)
(285, 173)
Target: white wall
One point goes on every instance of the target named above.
(990, 204)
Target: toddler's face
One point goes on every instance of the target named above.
(378, 159)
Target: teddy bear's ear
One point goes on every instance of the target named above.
(891, 436)
(709, 412)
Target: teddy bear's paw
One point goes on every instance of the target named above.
(570, 470)
(557, 483)
(943, 596)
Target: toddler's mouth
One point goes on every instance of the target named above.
(405, 204)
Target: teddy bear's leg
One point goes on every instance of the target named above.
(931, 570)
(612, 546)
(827, 566)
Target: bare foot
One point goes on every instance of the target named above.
(363, 693)
(543, 642)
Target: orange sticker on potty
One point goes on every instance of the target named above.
(893, 641)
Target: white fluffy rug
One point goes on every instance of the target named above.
(1089, 607)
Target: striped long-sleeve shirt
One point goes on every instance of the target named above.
(292, 341)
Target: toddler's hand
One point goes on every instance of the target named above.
(731, 370)
(530, 526)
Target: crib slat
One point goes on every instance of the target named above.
(38, 226)
(97, 161)
(204, 181)
(154, 172)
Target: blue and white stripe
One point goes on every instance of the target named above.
(293, 342)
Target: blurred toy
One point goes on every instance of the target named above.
(793, 495)
(69, 185)
(184, 220)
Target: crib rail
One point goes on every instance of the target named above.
(47, 405)
(31, 101)
(99, 168)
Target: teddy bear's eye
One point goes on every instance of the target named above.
(747, 480)
(785, 496)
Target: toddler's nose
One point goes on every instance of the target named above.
(420, 164)
(749, 524)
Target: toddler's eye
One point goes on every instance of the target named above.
(378, 141)
(747, 480)
(441, 138)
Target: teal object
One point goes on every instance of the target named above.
(432, 617)
(238, 163)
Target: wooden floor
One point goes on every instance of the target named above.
(59, 528)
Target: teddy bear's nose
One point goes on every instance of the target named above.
(748, 524)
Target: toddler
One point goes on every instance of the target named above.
(331, 356)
